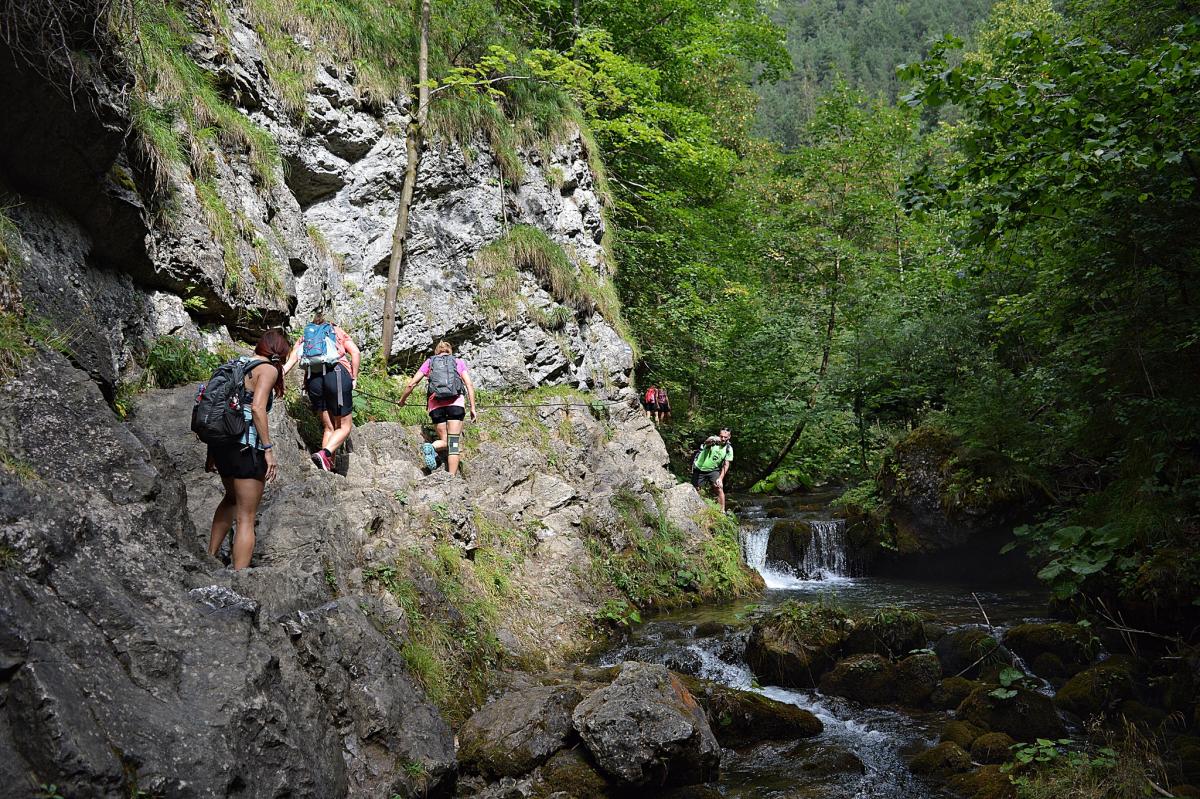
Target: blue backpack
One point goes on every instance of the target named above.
(320, 345)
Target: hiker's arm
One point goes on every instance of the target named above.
(355, 357)
(724, 470)
(264, 382)
(413, 382)
(466, 377)
(293, 359)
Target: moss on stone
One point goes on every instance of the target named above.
(943, 760)
(962, 733)
(1097, 689)
(992, 747)
(951, 691)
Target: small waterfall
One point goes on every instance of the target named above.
(825, 557)
(754, 546)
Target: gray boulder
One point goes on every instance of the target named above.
(646, 730)
(517, 732)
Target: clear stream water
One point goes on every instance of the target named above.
(709, 642)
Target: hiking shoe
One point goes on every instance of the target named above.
(323, 461)
(430, 455)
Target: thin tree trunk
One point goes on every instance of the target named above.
(826, 349)
(413, 144)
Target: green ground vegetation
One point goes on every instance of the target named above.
(452, 605)
(659, 567)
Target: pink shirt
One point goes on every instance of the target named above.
(433, 402)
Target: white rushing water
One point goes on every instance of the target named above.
(826, 553)
(825, 558)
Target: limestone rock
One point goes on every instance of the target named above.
(517, 732)
(869, 679)
(647, 730)
(795, 644)
(1097, 689)
(739, 718)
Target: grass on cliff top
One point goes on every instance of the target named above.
(174, 103)
(660, 567)
(497, 269)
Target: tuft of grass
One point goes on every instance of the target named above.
(451, 645)
(173, 100)
(15, 346)
(16, 467)
(660, 567)
(267, 270)
(224, 229)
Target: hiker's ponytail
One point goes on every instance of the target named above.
(275, 347)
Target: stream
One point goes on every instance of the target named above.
(863, 751)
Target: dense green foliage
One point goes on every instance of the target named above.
(859, 42)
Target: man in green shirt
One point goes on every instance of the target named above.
(712, 463)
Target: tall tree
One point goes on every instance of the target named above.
(414, 140)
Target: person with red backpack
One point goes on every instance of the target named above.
(330, 360)
(230, 415)
(648, 402)
(449, 381)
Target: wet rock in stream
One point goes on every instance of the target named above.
(646, 729)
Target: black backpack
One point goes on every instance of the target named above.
(445, 383)
(218, 416)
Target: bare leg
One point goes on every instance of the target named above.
(326, 430)
(442, 442)
(249, 494)
(720, 489)
(342, 426)
(453, 426)
(222, 518)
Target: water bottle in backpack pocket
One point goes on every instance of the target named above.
(218, 415)
(320, 346)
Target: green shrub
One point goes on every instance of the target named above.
(175, 361)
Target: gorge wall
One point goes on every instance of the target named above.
(132, 663)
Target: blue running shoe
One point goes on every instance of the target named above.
(430, 455)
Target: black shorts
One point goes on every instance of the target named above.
(648, 405)
(452, 413)
(663, 407)
(323, 391)
(238, 462)
(700, 479)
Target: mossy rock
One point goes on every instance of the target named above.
(788, 541)
(690, 792)
(1150, 718)
(869, 679)
(1026, 716)
(935, 631)
(1186, 791)
(796, 643)
(890, 632)
(829, 760)
(1098, 689)
(1186, 749)
(951, 691)
(740, 718)
(1072, 645)
(570, 774)
(917, 676)
(967, 652)
(943, 760)
(988, 782)
(962, 733)
(992, 748)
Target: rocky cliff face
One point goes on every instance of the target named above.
(132, 663)
(251, 240)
